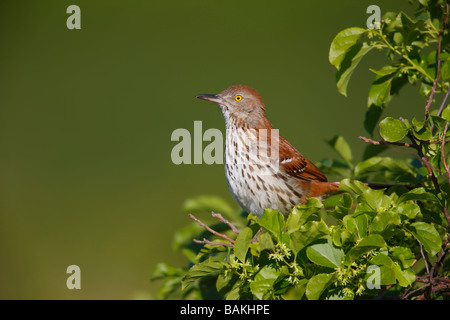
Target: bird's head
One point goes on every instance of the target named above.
(240, 103)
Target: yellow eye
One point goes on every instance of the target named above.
(238, 98)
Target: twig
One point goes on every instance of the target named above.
(443, 152)
(407, 294)
(438, 71)
(441, 108)
(437, 284)
(424, 258)
(410, 153)
(424, 160)
(447, 215)
(206, 241)
(374, 142)
(439, 279)
(210, 230)
(228, 223)
(255, 237)
(440, 141)
(442, 254)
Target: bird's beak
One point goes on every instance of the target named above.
(210, 97)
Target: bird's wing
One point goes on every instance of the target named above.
(295, 164)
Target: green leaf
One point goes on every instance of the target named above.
(422, 129)
(425, 89)
(423, 134)
(439, 122)
(403, 255)
(382, 260)
(380, 90)
(436, 161)
(417, 194)
(317, 285)
(343, 207)
(264, 281)
(446, 113)
(368, 243)
(306, 234)
(325, 254)
(228, 287)
(384, 275)
(336, 235)
(418, 124)
(385, 169)
(272, 221)
(387, 276)
(405, 277)
(393, 130)
(383, 219)
(201, 270)
(428, 236)
(409, 210)
(302, 213)
(386, 70)
(373, 240)
(339, 144)
(242, 242)
(357, 225)
(352, 186)
(376, 199)
(343, 41)
(265, 242)
(445, 70)
(351, 61)
(340, 294)
(340, 236)
(398, 38)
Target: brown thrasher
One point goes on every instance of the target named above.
(263, 170)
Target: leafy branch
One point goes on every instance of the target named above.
(406, 37)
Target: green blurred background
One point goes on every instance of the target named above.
(86, 118)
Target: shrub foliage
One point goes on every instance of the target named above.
(361, 243)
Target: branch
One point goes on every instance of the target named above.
(443, 152)
(423, 257)
(425, 161)
(406, 57)
(438, 284)
(441, 108)
(210, 230)
(383, 143)
(407, 294)
(440, 258)
(447, 215)
(438, 72)
(228, 223)
(444, 280)
(211, 243)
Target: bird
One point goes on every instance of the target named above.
(262, 169)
